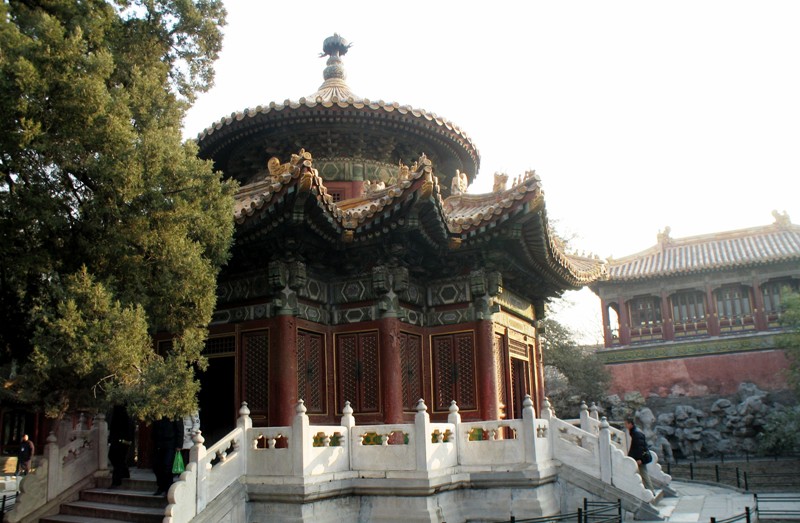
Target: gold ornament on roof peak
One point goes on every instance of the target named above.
(334, 87)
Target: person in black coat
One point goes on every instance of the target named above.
(25, 455)
(167, 437)
(637, 452)
(120, 438)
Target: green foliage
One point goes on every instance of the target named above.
(573, 373)
(112, 229)
(781, 433)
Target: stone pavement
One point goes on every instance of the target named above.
(699, 502)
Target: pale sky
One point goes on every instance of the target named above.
(635, 114)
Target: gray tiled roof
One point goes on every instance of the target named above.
(747, 247)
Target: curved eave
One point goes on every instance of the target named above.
(218, 139)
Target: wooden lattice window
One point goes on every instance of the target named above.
(454, 371)
(255, 361)
(688, 307)
(220, 346)
(311, 385)
(411, 369)
(358, 371)
(645, 311)
(733, 302)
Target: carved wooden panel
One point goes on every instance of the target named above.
(358, 371)
(311, 383)
(500, 368)
(255, 375)
(411, 369)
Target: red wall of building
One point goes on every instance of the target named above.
(698, 376)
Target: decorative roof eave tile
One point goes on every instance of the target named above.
(752, 247)
(547, 254)
(466, 213)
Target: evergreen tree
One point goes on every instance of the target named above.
(572, 373)
(111, 229)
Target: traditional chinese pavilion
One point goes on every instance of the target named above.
(700, 315)
(362, 271)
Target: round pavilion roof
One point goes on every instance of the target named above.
(335, 123)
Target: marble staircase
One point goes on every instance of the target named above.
(133, 501)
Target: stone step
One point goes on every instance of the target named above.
(108, 511)
(123, 496)
(64, 518)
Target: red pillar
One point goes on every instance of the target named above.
(712, 316)
(283, 372)
(487, 372)
(391, 384)
(759, 313)
(607, 337)
(624, 322)
(667, 321)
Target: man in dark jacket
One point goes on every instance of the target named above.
(167, 440)
(26, 451)
(120, 438)
(637, 452)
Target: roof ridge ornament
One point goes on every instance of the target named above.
(782, 219)
(334, 88)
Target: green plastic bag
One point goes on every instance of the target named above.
(177, 464)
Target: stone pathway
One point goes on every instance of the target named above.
(699, 502)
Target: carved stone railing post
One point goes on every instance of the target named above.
(347, 416)
(585, 423)
(604, 450)
(593, 411)
(244, 422)
(422, 435)
(548, 414)
(197, 455)
(302, 440)
(529, 430)
(53, 457)
(102, 441)
(454, 417)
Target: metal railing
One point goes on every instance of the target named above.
(591, 512)
(744, 516)
(7, 503)
(735, 476)
(777, 506)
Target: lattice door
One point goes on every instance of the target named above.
(358, 371)
(454, 371)
(311, 375)
(255, 361)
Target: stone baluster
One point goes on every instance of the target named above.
(455, 418)
(593, 411)
(584, 417)
(604, 447)
(529, 433)
(302, 440)
(51, 452)
(197, 454)
(422, 431)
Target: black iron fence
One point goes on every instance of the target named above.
(591, 512)
(763, 475)
(778, 506)
(8, 502)
(745, 516)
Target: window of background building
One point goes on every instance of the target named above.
(688, 307)
(733, 302)
(645, 311)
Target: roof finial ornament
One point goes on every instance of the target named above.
(782, 219)
(664, 237)
(334, 87)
